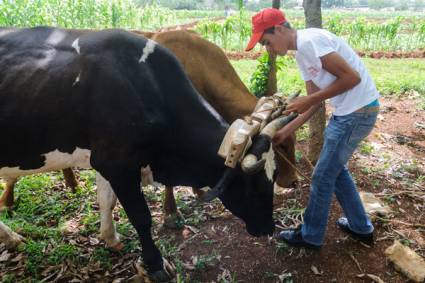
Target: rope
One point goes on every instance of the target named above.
(292, 165)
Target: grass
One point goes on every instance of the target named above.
(392, 76)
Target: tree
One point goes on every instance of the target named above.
(276, 4)
(317, 124)
(272, 80)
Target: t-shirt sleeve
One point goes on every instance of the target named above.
(309, 54)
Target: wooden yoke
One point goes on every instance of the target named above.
(239, 136)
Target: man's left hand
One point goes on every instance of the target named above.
(299, 105)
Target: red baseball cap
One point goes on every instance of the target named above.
(263, 20)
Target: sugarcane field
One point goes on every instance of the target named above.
(212, 141)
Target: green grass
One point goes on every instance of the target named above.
(392, 76)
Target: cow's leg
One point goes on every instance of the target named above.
(107, 201)
(8, 237)
(124, 177)
(147, 176)
(287, 175)
(7, 199)
(70, 180)
(172, 217)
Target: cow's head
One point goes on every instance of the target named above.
(250, 197)
(247, 190)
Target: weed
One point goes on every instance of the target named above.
(34, 251)
(103, 256)
(281, 247)
(166, 247)
(61, 253)
(365, 148)
(208, 242)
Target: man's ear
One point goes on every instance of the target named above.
(279, 28)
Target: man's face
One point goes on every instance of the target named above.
(275, 43)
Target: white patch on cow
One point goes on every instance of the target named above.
(149, 48)
(55, 160)
(49, 55)
(107, 201)
(76, 45)
(270, 165)
(77, 79)
(55, 37)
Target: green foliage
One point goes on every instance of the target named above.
(61, 253)
(103, 256)
(230, 34)
(259, 78)
(396, 31)
(408, 74)
(95, 14)
(34, 250)
(379, 4)
(365, 148)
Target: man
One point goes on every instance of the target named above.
(331, 70)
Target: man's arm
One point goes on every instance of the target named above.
(286, 131)
(346, 78)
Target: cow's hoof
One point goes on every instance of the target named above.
(14, 241)
(166, 274)
(174, 221)
(113, 242)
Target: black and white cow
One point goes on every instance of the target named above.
(113, 101)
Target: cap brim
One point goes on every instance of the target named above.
(255, 37)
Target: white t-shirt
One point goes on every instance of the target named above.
(314, 43)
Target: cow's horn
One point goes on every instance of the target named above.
(271, 128)
(252, 162)
(293, 96)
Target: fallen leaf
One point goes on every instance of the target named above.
(371, 276)
(193, 229)
(5, 256)
(315, 270)
(93, 241)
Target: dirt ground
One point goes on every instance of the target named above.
(213, 246)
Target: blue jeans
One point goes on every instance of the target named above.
(342, 136)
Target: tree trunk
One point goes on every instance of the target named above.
(313, 13)
(272, 81)
(317, 124)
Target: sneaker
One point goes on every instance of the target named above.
(364, 238)
(293, 237)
